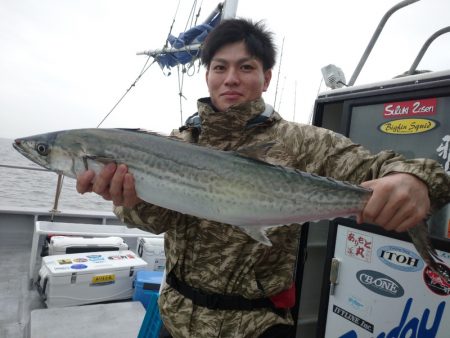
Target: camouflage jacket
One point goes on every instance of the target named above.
(219, 258)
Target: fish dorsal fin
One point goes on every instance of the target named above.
(142, 131)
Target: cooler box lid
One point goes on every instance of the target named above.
(92, 262)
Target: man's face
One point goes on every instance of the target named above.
(235, 77)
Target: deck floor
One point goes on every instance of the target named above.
(16, 299)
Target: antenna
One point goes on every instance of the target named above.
(278, 75)
(295, 98)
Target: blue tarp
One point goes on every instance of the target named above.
(195, 35)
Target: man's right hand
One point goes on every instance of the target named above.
(113, 183)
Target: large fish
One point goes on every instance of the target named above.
(211, 184)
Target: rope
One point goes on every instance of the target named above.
(180, 89)
(128, 90)
(198, 13)
(143, 70)
(189, 24)
(190, 19)
(171, 26)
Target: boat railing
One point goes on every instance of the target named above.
(22, 167)
(424, 48)
(53, 212)
(374, 38)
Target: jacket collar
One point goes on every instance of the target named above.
(225, 129)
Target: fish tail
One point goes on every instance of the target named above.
(422, 243)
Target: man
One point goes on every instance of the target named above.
(221, 282)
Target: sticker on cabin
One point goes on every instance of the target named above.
(359, 305)
(412, 324)
(353, 318)
(400, 258)
(380, 283)
(423, 107)
(436, 283)
(359, 246)
(408, 126)
(444, 152)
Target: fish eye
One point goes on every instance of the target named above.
(42, 149)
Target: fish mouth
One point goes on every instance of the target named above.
(19, 147)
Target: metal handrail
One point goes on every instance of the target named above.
(375, 37)
(21, 167)
(425, 47)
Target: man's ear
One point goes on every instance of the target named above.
(267, 78)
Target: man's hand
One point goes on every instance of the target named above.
(113, 183)
(399, 201)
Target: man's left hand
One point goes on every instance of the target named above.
(399, 202)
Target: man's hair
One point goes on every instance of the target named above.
(258, 41)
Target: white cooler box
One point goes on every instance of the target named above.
(84, 278)
(151, 249)
(60, 245)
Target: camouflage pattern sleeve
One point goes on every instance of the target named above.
(337, 156)
(149, 217)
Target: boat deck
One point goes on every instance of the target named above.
(16, 298)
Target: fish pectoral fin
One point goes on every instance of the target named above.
(258, 233)
(97, 158)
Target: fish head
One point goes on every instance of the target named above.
(53, 152)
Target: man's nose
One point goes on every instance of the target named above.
(232, 77)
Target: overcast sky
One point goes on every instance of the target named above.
(65, 63)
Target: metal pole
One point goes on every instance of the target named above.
(229, 9)
(156, 52)
(54, 211)
(425, 47)
(375, 37)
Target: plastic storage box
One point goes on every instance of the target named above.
(146, 290)
(147, 284)
(151, 325)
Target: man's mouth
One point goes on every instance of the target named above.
(231, 95)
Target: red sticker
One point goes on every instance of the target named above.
(435, 282)
(411, 108)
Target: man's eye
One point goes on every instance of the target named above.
(247, 67)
